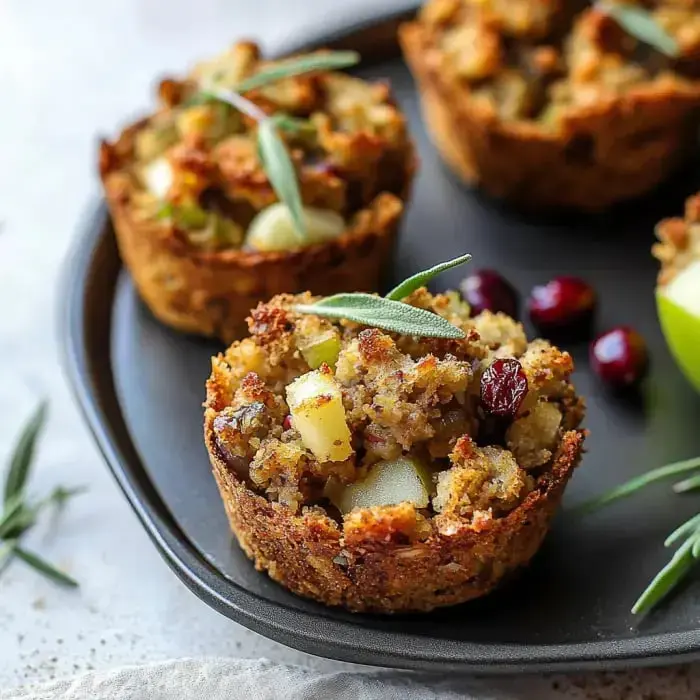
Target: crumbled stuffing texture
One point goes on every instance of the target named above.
(402, 397)
(349, 144)
(538, 60)
(679, 241)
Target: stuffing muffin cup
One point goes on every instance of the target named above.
(386, 473)
(678, 288)
(198, 223)
(548, 105)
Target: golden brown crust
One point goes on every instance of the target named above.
(196, 272)
(363, 571)
(212, 292)
(490, 513)
(613, 147)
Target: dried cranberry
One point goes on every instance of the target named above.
(565, 305)
(619, 357)
(503, 387)
(486, 290)
(287, 422)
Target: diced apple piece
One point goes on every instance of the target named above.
(322, 349)
(316, 404)
(273, 229)
(679, 313)
(388, 483)
(158, 177)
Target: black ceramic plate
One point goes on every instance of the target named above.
(141, 388)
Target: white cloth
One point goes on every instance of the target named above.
(250, 680)
(235, 679)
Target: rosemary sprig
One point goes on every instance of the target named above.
(273, 154)
(687, 554)
(19, 515)
(640, 24)
(388, 313)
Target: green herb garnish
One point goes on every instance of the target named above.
(687, 555)
(273, 152)
(640, 24)
(273, 155)
(420, 279)
(331, 60)
(387, 312)
(19, 514)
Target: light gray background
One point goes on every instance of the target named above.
(71, 70)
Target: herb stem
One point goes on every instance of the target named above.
(667, 578)
(687, 484)
(242, 104)
(633, 485)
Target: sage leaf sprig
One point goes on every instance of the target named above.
(330, 60)
(388, 313)
(640, 24)
(273, 152)
(420, 279)
(688, 534)
(274, 156)
(19, 514)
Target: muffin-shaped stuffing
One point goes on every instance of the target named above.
(197, 220)
(552, 102)
(385, 472)
(678, 289)
(679, 243)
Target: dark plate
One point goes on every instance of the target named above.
(141, 387)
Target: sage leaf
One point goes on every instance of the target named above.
(640, 24)
(387, 314)
(333, 60)
(43, 567)
(23, 454)
(236, 101)
(281, 173)
(420, 279)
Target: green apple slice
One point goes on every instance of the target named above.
(273, 228)
(316, 404)
(679, 313)
(387, 483)
(323, 349)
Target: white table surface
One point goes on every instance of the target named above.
(69, 71)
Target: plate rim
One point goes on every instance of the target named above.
(336, 639)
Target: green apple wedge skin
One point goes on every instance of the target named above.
(682, 331)
(324, 349)
(387, 483)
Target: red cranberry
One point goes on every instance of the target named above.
(287, 422)
(563, 305)
(503, 388)
(619, 357)
(487, 290)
